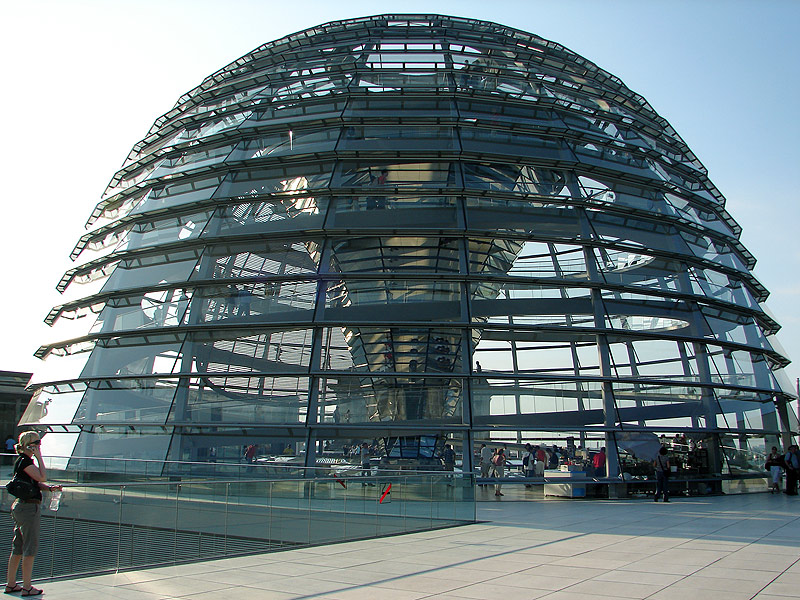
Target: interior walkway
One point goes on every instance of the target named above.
(732, 547)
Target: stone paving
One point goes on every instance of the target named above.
(731, 547)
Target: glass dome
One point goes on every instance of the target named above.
(412, 230)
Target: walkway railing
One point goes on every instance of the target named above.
(112, 526)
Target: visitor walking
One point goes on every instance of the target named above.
(27, 514)
(662, 474)
(775, 465)
(792, 461)
(486, 461)
(366, 467)
(499, 462)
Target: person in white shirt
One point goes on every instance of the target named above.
(486, 460)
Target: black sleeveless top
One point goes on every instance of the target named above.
(19, 472)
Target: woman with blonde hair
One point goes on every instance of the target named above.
(27, 514)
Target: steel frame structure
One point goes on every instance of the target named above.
(410, 228)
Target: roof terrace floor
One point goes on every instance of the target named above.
(731, 547)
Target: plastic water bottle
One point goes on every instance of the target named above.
(55, 500)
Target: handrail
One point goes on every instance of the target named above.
(239, 465)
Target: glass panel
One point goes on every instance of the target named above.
(381, 254)
(126, 401)
(658, 405)
(502, 177)
(530, 404)
(545, 221)
(530, 305)
(653, 359)
(391, 107)
(736, 328)
(190, 159)
(58, 367)
(222, 351)
(273, 453)
(267, 258)
(439, 212)
(397, 175)
(273, 214)
(632, 231)
(122, 442)
(507, 142)
(134, 360)
(53, 405)
(269, 301)
(491, 113)
(286, 143)
(403, 137)
(178, 194)
(294, 111)
(412, 398)
(174, 267)
(240, 399)
(393, 300)
(713, 250)
(275, 179)
(393, 81)
(164, 308)
(405, 349)
(527, 352)
(739, 367)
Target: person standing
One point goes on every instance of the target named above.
(541, 461)
(449, 458)
(486, 461)
(599, 463)
(366, 467)
(27, 514)
(499, 462)
(554, 458)
(792, 461)
(662, 474)
(529, 463)
(250, 453)
(775, 467)
(10, 443)
(449, 461)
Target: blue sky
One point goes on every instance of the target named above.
(85, 80)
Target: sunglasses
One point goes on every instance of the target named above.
(36, 443)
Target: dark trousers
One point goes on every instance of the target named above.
(791, 482)
(662, 484)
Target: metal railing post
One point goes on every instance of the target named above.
(119, 525)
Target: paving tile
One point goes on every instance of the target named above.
(173, 586)
(249, 595)
(722, 584)
(651, 565)
(656, 580)
(782, 589)
(672, 592)
(496, 592)
(570, 595)
(736, 574)
(615, 589)
(369, 593)
(790, 578)
(421, 583)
